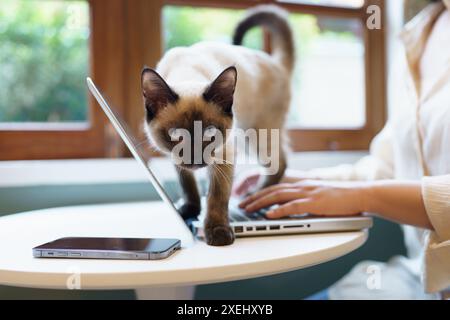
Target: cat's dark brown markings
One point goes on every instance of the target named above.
(165, 110)
(201, 87)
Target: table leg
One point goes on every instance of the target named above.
(166, 293)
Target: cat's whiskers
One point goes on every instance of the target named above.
(219, 174)
(222, 173)
(226, 163)
(222, 161)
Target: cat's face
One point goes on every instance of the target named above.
(195, 119)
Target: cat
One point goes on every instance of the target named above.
(225, 87)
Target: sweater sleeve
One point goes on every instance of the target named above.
(436, 197)
(377, 165)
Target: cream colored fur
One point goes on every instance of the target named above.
(262, 95)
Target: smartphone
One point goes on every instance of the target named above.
(108, 248)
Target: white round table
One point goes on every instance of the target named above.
(195, 263)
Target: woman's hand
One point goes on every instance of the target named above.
(399, 201)
(326, 198)
(250, 181)
(246, 183)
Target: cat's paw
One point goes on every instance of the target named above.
(219, 235)
(189, 210)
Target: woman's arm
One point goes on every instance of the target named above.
(378, 165)
(398, 201)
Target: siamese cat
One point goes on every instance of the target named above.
(223, 87)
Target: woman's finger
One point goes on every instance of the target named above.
(262, 193)
(275, 197)
(290, 208)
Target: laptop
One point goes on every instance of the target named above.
(243, 224)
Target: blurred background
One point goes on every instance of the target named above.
(49, 47)
(45, 52)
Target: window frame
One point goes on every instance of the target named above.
(32, 141)
(116, 29)
(113, 31)
(323, 139)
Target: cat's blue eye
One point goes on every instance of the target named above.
(210, 131)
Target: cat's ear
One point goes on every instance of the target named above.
(157, 93)
(221, 90)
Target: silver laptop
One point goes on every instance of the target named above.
(242, 223)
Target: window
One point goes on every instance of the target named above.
(184, 26)
(333, 106)
(52, 116)
(48, 47)
(44, 61)
(328, 89)
(330, 60)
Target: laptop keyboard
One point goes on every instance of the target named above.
(238, 215)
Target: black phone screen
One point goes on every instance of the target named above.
(112, 244)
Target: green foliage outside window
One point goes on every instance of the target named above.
(184, 26)
(44, 51)
(43, 61)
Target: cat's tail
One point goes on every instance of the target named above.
(275, 19)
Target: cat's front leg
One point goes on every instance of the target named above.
(217, 227)
(191, 206)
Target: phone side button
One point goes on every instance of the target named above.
(74, 254)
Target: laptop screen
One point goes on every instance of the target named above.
(139, 149)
